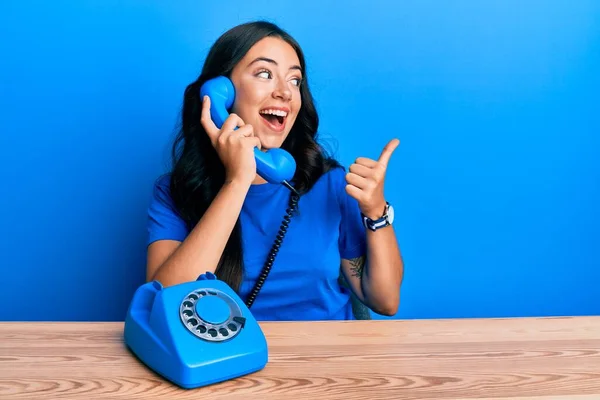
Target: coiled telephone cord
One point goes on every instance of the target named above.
(293, 205)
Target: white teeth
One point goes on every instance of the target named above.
(279, 113)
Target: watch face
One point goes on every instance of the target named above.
(390, 214)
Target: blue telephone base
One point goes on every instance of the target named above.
(195, 385)
(194, 334)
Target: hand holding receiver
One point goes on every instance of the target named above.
(234, 147)
(196, 333)
(275, 165)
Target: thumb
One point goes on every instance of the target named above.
(389, 148)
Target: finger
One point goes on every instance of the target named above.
(366, 162)
(356, 180)
(252, 141)
(255, 142)
(389, 148)
(231, 122)
(361, 170)
(207, 123)
(245, 131)
(354, 192)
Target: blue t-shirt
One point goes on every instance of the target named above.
(303, 282)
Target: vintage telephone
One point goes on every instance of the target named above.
(196, 333)
(275, 165)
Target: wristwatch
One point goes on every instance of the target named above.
(386, 219)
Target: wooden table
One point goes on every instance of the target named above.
(527, 358)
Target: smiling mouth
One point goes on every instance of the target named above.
(274, 119)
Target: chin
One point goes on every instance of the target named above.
(271, 141)
(270, 145)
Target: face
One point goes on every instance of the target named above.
(267, 84)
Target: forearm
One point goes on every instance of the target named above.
(382, 275)
(202, 249)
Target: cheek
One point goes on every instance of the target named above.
(246, 98)
(298, 98)
(297, 106)
(240, 105)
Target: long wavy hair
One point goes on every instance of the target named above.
(198, 173)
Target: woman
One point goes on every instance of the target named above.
(213, 213)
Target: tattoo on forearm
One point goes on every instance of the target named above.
(357, 265)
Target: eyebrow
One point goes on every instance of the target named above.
(271, 61)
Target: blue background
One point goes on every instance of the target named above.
(496, 183)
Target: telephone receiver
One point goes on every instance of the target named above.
(275, 165)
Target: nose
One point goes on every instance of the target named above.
(282, 91)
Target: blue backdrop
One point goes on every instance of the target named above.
(496, 182)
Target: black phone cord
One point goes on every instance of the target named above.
(293, 205)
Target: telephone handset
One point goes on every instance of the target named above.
(195, 333)
(275, 165)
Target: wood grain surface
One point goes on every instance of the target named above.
(524, 358)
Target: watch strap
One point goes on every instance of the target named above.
(378, 223)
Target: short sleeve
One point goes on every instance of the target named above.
(352, 239)
(164, 221)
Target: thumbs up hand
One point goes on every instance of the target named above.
(365, 181)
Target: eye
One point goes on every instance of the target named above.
(297, 81)
(265, 74)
